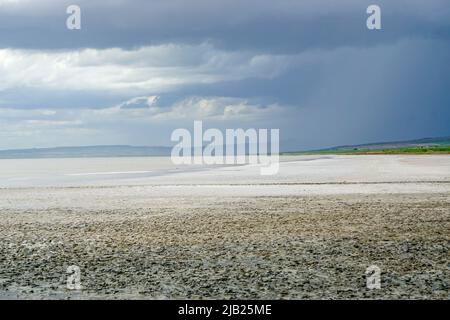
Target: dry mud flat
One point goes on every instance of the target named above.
(264, 247)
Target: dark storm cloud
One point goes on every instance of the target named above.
(271, 26)
(354, 95)
(310, 68)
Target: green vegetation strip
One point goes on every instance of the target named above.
(402, 150)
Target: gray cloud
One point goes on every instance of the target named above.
(139, 69)
(154, 68)
(275, 26)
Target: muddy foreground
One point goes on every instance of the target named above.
(262, 247)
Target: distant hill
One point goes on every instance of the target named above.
(424, 145)
(85, 152)
(91, 152)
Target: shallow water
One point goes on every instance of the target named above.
(67, 171)
(16, 173)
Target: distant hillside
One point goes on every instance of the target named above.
(425, 145)
(92, 151)
(88, 152)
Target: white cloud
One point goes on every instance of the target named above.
(140, 102)
(207, 108)
(217, 108)
(139, 110)
(191, 108)
(148, 69)
(50, 127)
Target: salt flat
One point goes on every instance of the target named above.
(153, 230)
(161, 171)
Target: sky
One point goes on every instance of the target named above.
(139, 69)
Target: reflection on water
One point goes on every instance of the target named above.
(96, 171)
(68, 171)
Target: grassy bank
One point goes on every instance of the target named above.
(401, 150)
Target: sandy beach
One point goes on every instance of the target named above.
(140, 230)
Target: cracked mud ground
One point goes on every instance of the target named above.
(227, 247)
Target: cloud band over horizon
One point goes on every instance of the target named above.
(310, 68)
